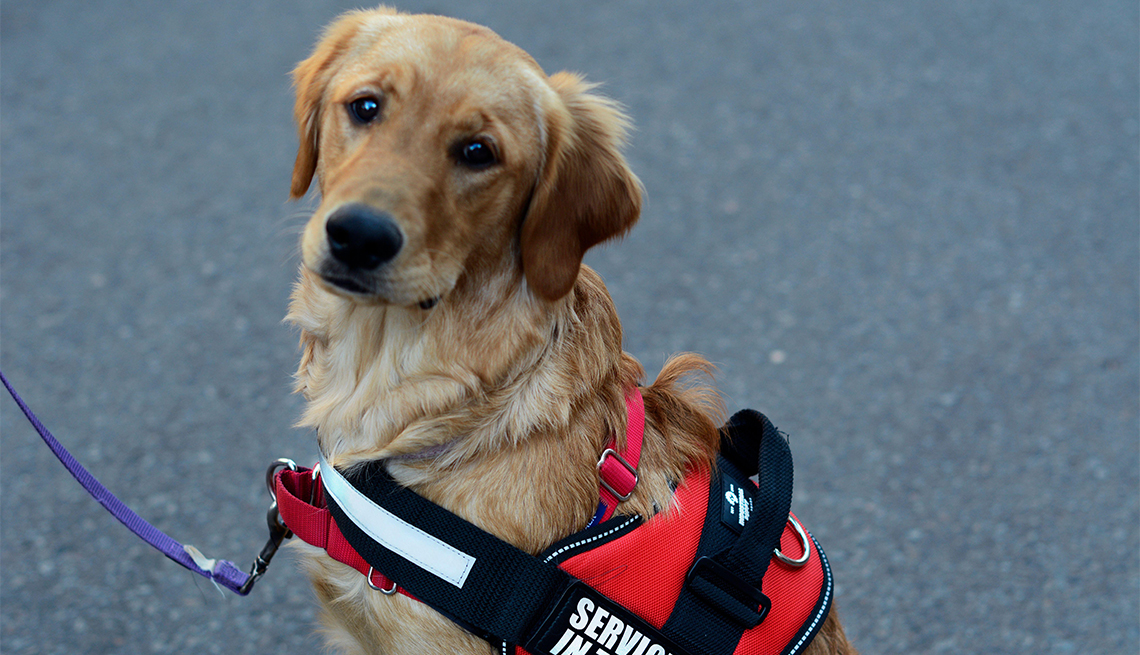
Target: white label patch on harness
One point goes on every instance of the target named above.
(430, 553)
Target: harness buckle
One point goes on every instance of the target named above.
(721, 588)
(610, 452)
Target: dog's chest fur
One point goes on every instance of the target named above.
(513, 414)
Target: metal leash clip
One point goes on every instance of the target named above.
(278, 532)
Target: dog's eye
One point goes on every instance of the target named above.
(476, 154)
(364, 110)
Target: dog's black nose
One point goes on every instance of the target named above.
(361, 237)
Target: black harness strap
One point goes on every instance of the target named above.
(507, 590)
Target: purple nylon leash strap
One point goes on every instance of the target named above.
(223, 572)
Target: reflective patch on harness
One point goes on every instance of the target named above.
(587, 623)
(426, 551)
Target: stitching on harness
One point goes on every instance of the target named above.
(826, 604)
(583, 542)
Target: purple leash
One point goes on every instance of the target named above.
(222, 572)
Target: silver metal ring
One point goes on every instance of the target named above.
(271, 472)
(804, 541)
(386, 592)
(314, 487)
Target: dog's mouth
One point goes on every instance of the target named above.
(359, 289)
(352, 282)
(347, 284)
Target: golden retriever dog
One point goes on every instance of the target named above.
(447, 322)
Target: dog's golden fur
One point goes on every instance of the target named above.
(484, 342)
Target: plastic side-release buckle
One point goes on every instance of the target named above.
(724, 590)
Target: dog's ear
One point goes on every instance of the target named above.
(585, 192)
(310, 79)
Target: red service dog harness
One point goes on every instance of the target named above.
(726, 569)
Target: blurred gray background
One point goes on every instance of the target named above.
(907, 231)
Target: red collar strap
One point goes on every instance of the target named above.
(617, 472)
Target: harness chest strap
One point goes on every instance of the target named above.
(518, 589)
(314, 524)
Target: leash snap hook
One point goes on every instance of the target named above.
(278, 531)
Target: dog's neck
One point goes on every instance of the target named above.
(489, 384)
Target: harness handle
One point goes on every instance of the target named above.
(769, 458)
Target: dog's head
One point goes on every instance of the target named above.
(443, 152)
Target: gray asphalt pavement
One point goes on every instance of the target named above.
(906, 231)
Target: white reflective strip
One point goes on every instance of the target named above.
(433, 555)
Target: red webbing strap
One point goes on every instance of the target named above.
(313, 523)
(615, 474)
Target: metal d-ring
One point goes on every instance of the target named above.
(803, 559)
(271, 472)
(386, 592)
(314, 487)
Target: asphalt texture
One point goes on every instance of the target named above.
(906, 231)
